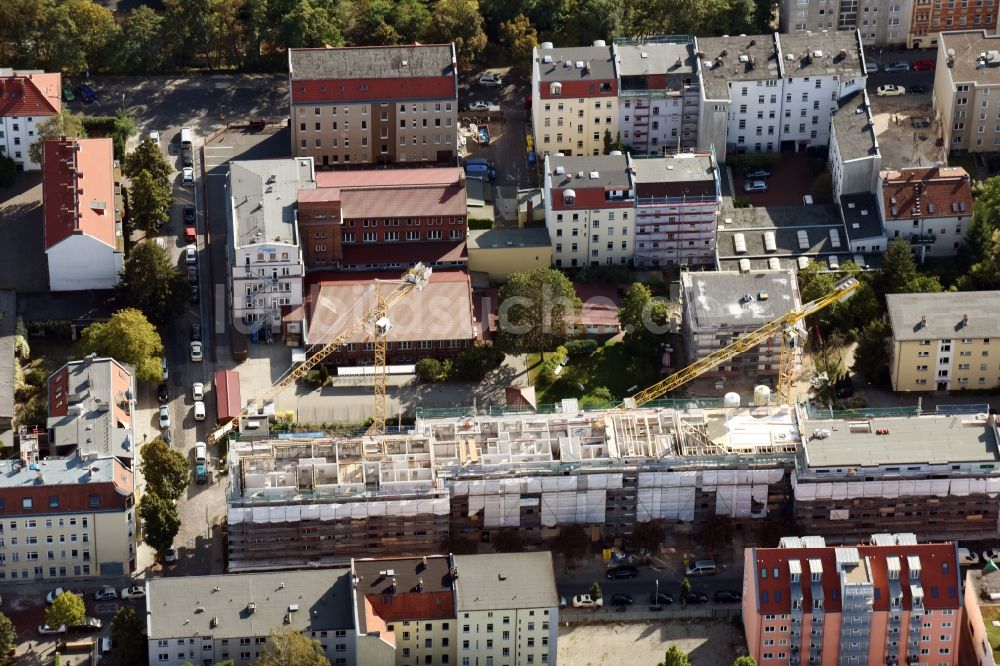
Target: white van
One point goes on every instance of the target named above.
(186, 135)
(166, 373)
(199, 411)
(200, 452)
(701, 568)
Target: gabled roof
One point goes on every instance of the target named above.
(945, 315)
(926, 192)
(79, 190)
(30, 94)
(89, 406)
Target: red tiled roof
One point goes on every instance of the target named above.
(388, 177)
(403, 253)
(78, 188)
(926, 192)
(934, 557)
(30, 95)
(403, 201)
(412, 606)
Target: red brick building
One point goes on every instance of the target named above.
(932, 18)
(384, 220)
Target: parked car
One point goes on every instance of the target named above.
(192, 273)
(473, 161)
(727, 596)
(967, 558)
(196, 331)
(190, 226)
(134, 592)
(170, 557)
(755, 186)
(89, 625)
(194, 293)
(756, 172)
(924, 65)
(187, 177)
(621, 599)
(701, 568)
(163, 392)
(105, 593)
(46, 629)
(919, 123)
(484, 135)
(86, 92)
(196, 354)
(199, 410)
(661, 599)
(197, 391)
(918, 89)
(584, 601)
(67, 93)
(187, 156)
(897, 67)
(478, 105)
(871, 66)
(991, 555)
(491, 80)
(693, 597)
(191, 254)
(50, 598)
(201, 462)
(626, 571)
(154, 135)
(890, 90)
(164, 417)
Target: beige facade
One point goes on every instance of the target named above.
(576, 126)
(967, 91)
(424, 641)
(506, 637)
(500, 252)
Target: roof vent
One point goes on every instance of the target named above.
(404, 63)
(817, 54)
(292, 608)
(789, 56)
(850, 204)
(923, 321)
(251, 608)
(214, 623)
(560, 170)
(547, 59)
(864, 212)
(594, 175)
(643, 55)
(579, 64)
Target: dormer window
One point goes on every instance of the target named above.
(569, 197)
(555, 88)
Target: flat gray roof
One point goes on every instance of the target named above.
(485, 239)
(861, 217)
(716, 299)
(655, 58)
(823, 53)
(945, 313)
(855, 128)
(815, 222)
(71, 471)
(911, 440)
(371, 62)
(96, 427)
(505, 581)
(323, 597)
(684, 167)
(598, 63)
(747, 58)
(611, 170)
(263, 193)
(968, 45)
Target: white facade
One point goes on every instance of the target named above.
(514, 637)
(265, 278)
(82, 262)
(931, 237)
(880, 22)
(17, 133)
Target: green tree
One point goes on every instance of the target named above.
(147, 156)
(429, 370)
(20, 25)
(900, 275)
(674, 657)
(166, 470)
(187, 30)
(60, 49)
(871, 356)
(127, 337)
(745, 660)
(644, 321)
(151, 202)
(459, 21)
(65, 124)
(140, 41)
(595, 591)
(288, 647)
(124, 128)
(685, 588)
(8, 639)
(311, 24)
(985, 219)
(67, 609)
(519, 37)
(411, 19)
(476, 362)
(369, 23)
(128, 636)
(152, 283)
(160, 523)
(571, 542)
(96, 30)
(536, 309)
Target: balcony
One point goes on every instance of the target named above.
(923, 240)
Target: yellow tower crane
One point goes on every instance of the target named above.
(784, 325)
(375, 320)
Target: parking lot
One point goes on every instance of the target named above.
(789, 181)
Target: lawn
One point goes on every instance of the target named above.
(990, 614)
(611, 366)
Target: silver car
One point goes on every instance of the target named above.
(755, 186)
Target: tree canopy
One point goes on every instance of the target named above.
(644, 321)
(745, 660)
(535, 310)
(67, 609)
(8, 639)
(127, 337)
(152, 283)
(287, 647)
(166, 470)
(159, 521)
(128, 635)
(147, 156)
(674, 657)
(150, 202)
(65, 124)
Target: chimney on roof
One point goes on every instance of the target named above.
(923, 321)
(965, 320)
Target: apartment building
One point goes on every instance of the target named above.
(81, 193)
(374, 104)
(942, 341)
(265, 250)
(931, 19)
(27, 99)
(574, 94)
(935, 475)
(507, 609)
(437, 321)
(404, 608)
(71, 517)
(677, 203)
(893, 601)
(928, 206)
(879, 23)
(964, 102)
(384, 220)
(91, 408)
(211, 619)
(863, 225)
(658, 95)
(766, 93)
(590, 209)
(980, 608)
(721, 306)
(855, 158)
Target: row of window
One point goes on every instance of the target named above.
(38, 572)
(439, 139)
(373, 236)
(410, 221)
(32, 523)
(574, 247)
(425, 107)
(597, 105)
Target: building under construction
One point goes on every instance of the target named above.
(320, 501)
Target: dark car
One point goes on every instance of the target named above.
(188, 214)
(187, 156)
(86, 92)
(195, 332)
(163, 392)
(924, 65)
(195, 296)
(615, 573)
(757, 172)
(918, 89)
(661, 599)
(89, 625)
(727, 597)
(693, 597)
(621, 599)
(192, 272)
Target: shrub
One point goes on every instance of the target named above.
(545, 378)
(99, 126)
(314, 378)
(429, 370)
(480, 223)
(740, 201)
(581, 347)
(475, 362)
